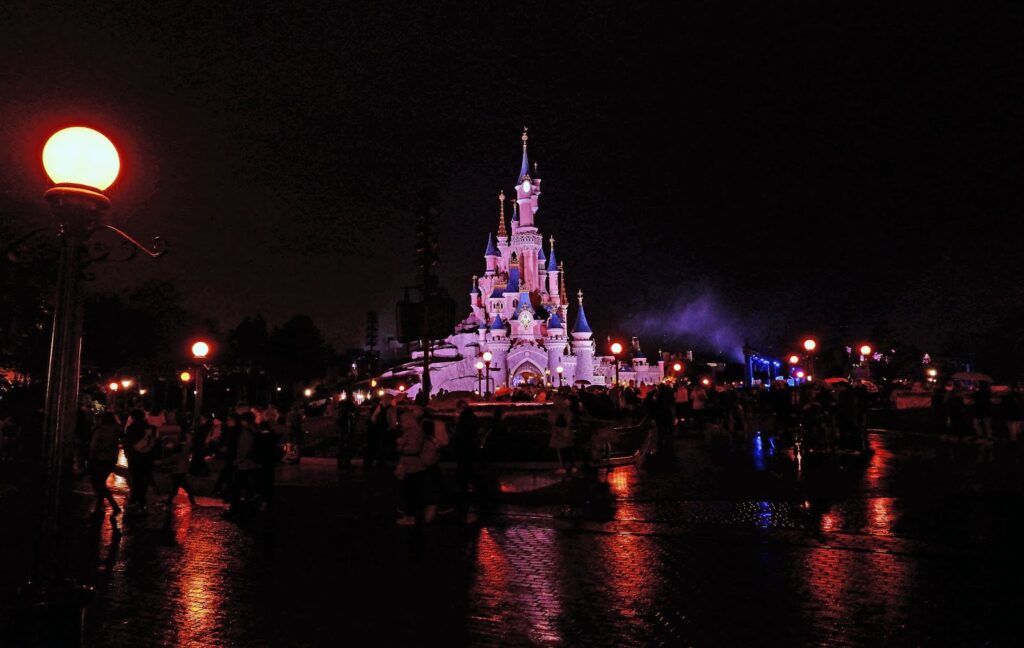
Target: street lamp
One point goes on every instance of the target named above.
(200, 350)
(126, 382)
(794, 359)
(307, 392)
(479, 376)
(616, 350)
(560, 370)
(185, 378)
(82, 163)
(488, 356)
(810, 344)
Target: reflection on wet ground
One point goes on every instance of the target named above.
(732, 549)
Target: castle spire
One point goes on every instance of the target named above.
(553, 265)
(582, 325)
(524, 169)
(561, 278)
(501, 218)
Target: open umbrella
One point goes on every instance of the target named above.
(972, 376)
(837, 379)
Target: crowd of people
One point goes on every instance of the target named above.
(247, 443)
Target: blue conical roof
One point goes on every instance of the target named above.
(554, 321)
(491, 251)
(497, 324)
(540, 257)
(582, 326)
(513, 280)
(524, 168)
(552, 263)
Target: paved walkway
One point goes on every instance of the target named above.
(919, 545)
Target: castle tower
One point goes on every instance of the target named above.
(555, 343)
(582, 345)
(498, 346)
(491, 257)
(503, 243)
(554, 288)
(525, 237)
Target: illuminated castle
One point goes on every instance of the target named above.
(519, 310)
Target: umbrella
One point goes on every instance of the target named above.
(501, 391)
(972, 376)
(837, 379)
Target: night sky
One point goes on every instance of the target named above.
(711, 174)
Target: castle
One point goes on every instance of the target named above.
(519, 310)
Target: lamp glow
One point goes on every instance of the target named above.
(705, 382)
(560, 369)
(487, 356)
(810, 344)
(308, 392)
(126, 383)
(865, 350)
(82, 156)
(677, 367)
(799, 374)
(616, 348)
(479, 366)
(200, 349)
(185, 376)
(113, 386)
(794, 359)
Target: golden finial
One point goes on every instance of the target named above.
(524, 137)
(536, 173)
(515, 211)
(579, 296)
(501, 219)
(551, 241)
(474, 281)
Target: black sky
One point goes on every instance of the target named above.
(805, 165)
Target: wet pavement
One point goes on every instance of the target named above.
(917, 545)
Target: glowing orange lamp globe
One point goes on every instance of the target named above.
(865, 350)
(810, 344)
(81, 156)
(616, 348)
(113, 386)
(677, 367)
(794, 359)
(185, 376)
(200, 349)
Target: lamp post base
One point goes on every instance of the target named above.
(50, 615)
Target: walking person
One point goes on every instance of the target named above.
(560, 420)
(1013, 412)
(983, 412)
(246, 469)
(140, 441)
(436, 498)
(102, 457)
(411, 469)
(203, 428)
(467, 445)
(229, 450)
(179, 462)
(383, 422)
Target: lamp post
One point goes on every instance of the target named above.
(488, 356)
(200, 350)
(560, 370)
(810, 344)
(865, 356)
(479, 376)
(616, 350)
(82, 163)
(185, 378)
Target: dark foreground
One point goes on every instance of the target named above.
(918, 545)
